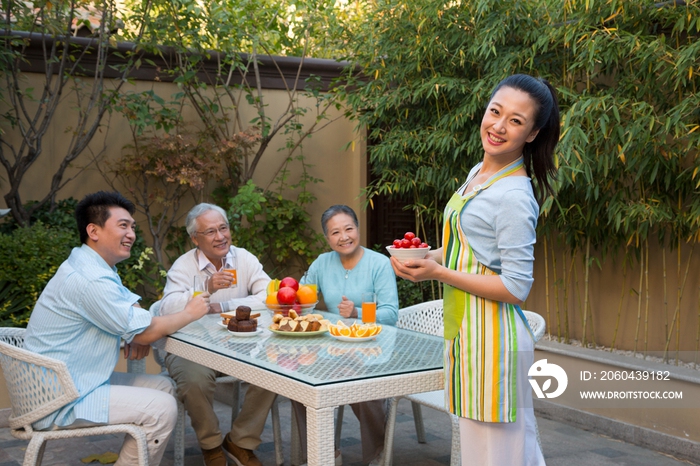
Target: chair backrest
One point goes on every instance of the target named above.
(537, 324)
(13, 336)
(38, 385)
(423, 317)
(427, 318)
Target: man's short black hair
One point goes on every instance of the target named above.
(94, 208)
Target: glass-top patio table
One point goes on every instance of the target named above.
(318, 371)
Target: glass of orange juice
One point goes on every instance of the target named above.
(200, 285)
(229, 265)
(369, 307)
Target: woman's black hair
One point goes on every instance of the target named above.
(334, 210)
(94, 208)
(539, 154)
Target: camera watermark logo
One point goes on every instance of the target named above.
(542, 368)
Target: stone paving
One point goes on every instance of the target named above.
(563, 444)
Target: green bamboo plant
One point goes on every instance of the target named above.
(627, 77)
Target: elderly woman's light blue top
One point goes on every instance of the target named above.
(372, 273)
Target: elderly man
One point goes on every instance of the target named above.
(208, 227)
(81, 317)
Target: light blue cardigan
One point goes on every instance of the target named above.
(372, 273)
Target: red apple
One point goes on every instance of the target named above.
(286, 295)
(289, 282)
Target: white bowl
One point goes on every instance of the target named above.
(408, 254)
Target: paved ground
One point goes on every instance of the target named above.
(563, 445)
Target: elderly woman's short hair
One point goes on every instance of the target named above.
(334, 210)
(197, 211)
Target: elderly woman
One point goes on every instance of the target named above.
(342, 275)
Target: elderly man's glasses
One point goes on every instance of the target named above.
(211, 232)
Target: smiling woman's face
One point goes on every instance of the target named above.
(508, 123)
(342, 235)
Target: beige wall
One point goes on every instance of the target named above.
(615, 290)
(342, 170)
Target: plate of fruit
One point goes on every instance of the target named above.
(355, 332)
(409, 247)
(287, 294)
(296, 325)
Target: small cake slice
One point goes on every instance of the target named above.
(247, 325)
(242, 313)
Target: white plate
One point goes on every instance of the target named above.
(299, 334)
(354, 339)
(257, 331)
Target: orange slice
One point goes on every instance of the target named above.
(362, 332)
(346, 332)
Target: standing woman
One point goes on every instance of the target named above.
(486, 265)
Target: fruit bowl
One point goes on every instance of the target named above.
(404, 254)
(284, 308)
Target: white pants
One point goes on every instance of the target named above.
(147, 401)
(512, 443)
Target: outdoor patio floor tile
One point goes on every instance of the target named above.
(563, 445)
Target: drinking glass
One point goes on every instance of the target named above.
(200, 285)
(369, 307)
(304, 279)
(229, 264)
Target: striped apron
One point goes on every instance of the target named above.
(480, 335)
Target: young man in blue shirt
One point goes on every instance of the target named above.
(81, 317)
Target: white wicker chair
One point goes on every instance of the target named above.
(39, 385)
(428, 318)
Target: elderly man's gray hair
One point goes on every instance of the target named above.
(200, 209)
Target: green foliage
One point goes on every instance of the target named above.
(273, 228)
(626, 74)
(59, 216)
(288, 27)
(627, 78)
(161, 170)
(29, 257)
(142, 274)
(411, 293)
(12, 303)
